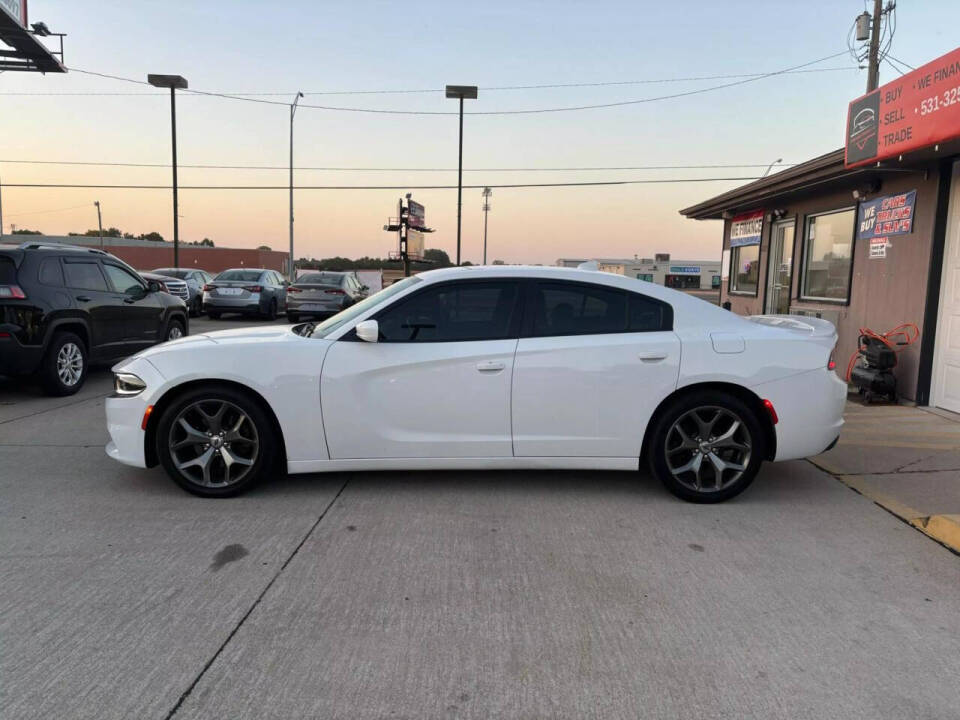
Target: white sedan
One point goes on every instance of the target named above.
(491, 367)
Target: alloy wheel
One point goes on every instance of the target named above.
(213, 443)
(175, 332)
(70, 364)
(708, 448)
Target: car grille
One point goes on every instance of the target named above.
(178, 288)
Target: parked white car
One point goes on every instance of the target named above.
(488, 367)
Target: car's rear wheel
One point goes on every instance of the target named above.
(215, 443)
(196, 307)
(706, 447)
(271, 313)
(64, 366)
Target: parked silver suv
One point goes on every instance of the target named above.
(247, 291)
(195, 280)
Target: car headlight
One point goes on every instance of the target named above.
(127, 384)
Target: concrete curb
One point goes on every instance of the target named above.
(945, 529)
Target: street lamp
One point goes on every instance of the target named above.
(293, 109)
(487, 192)
(770, 166)
(99, 222)
(461, 92)
(174, 82)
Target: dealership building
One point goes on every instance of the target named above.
(867, 236)
(660, 269)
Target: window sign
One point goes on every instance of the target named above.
(746, 229)
(886, 216)
(685, 269)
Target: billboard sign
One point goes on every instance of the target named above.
(886, 216)
(414, 244)
(746, 229)
(17, 9)
(416, 215)
(918, 110)
(685, 269)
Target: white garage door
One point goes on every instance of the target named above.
(946, 372)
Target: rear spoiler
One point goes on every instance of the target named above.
(813, 327)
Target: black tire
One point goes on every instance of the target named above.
(271, 313)
(196, 307)
(669, 453)
(213, 314)
(292, 317)
(191, 478)
(174, 330)
(59, 367)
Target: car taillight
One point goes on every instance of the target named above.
(334, 292)
(12, 291)
(208, 287)
(255, 288)
(293, 289)
(770, 411)
(831, 365)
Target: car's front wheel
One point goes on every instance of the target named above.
(706, 447)
(216, 442)
(174, 330)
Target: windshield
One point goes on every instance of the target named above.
(172, 272)
(320, 279)
(239, 275)
(341, 318)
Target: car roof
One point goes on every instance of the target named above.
(244, 269)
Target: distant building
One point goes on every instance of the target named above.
(690, 275)
(148, 254)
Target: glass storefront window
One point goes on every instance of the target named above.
(828, 253)
(745, 269)
(648, 277)
(715, 281)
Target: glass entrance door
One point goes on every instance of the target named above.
(780, 268)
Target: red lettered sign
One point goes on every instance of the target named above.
(918, 110)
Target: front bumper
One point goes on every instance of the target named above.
(125, 415)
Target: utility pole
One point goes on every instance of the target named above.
(1, 209)
(487, 192)
(460, 92)
(174, 82)
(293, 110)
(99, 222)
(873, 66)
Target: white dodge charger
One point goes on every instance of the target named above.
(492, 367)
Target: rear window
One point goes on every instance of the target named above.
(51, 273)
(172, 272)
(239, 276)
(8, 271)
(320, 279)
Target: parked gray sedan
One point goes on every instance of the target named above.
(323, 293)
(248, 291)
(195, 280)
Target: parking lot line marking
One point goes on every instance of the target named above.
(266, 589)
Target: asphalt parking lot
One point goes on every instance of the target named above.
(452, 595)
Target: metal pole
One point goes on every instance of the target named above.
(176, 204)
(404, 237)
(486, 210)
(290, 263)
(460, 181)
(99, 223)
(1, 209)
(873, 69)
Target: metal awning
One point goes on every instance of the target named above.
(28, 53)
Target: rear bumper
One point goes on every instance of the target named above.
(314, 306)
(247, 305)
(18, 359)
(810, 410)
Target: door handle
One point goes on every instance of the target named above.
(83, 298)
(653, 356)
(491, 366)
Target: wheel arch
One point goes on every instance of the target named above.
(752, 400)
(75, 325)
(171, 395)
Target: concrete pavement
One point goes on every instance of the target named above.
(453, 595)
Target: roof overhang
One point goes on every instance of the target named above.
(28, 54)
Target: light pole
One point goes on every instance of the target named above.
(173, 82)
(293, 110)
(487, 192)
(462, 92)
(99, 222)
(770, 166)
(1, 209)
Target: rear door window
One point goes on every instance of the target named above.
(85, 275)
(571, 308)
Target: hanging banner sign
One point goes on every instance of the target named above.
(886, 216)
(746, 229)
(918, 110)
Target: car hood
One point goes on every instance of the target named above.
(239, 336)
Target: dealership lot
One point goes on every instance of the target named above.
(480, 594)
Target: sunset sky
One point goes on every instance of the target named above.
(323, 47)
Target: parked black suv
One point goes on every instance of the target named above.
(64, 307)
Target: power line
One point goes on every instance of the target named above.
(531, 111)
(425, 91)
(380, 187)
(52, 210)
(386, 169)
(901, 62)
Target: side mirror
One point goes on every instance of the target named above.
(153, 286)
(368, 331)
